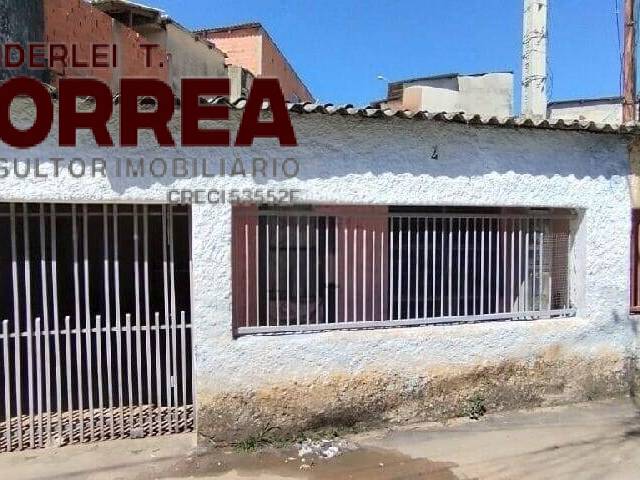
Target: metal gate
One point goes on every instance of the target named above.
(95, 338)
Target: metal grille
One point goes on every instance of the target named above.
(307, 270)
(96, 341)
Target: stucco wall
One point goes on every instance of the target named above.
(300, 381)
(600, 112)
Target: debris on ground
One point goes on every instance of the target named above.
(324, 448)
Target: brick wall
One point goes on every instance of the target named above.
(75, 22)
(253, 49)
(242, 47)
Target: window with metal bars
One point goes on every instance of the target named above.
(327, 267)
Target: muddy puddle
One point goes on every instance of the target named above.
(360, 464)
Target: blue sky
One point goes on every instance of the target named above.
(339, 47)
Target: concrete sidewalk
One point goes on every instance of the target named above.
(595, 440)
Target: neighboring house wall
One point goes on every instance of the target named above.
(274, 64)
(295, 382)
(599, 111)
(21, 22)
(489, 94)
(253, 49)
(76, 22)
(187, 55)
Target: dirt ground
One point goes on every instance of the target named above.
(596, 440)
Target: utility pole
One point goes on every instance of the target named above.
(629, 111)
(534, 59)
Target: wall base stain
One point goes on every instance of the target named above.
(374, 398)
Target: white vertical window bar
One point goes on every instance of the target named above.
(326, 269)
(498, 221)
(147, 314)
(99, 373)
(505, 293)
(307, 268)
(391, 270)
(408, 289)
(354, 273)
(336, 273)
(268, 259)
(346, 270)
(475, 265)
(172, 270)
(127, 326)
(158, 361)
(400, 250)
(138, 327)
(183, 365)
(526, 265)
(38, 338)
(542, 260)
(458, 293)
(466, 267)
(288, 253)
(7, 384)
(482, 223)
(373, 273)
(245, 222)
(513, 241)
(298, 271)
(317, 270)
(450, 269)
(382, 278)
(520, 255)
(118, 319)
(16, 323)
(490, 267)
(45, 318)
(277, 271)
(56, 322)
(434, 249)
(87, 315)
(425, 313)
(107, 312)
(417, 270)
(533, 268)
(257, 265)
(67, 343)
(364, 274)
(27, 284)
(441, 267)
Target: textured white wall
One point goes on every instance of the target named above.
(388, 161)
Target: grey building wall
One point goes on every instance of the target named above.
(21, 21)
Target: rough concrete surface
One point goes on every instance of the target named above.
(598, 440)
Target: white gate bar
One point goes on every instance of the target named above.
(308, 269)
(354, 272)
(257, 272)
(442, 267)
(278, 270)
(246, 272)
(513, 247)
(317, 315)
(183, 365)
(336, 273)
(99, 372)
(297, 271)
(78, 340)
(87, 306)
(458, 292)
(167, 370)
(346, 270)
(450, 269)
(400, 250)
(158, 361)
(526, 266)
(136, 277)
(172, 269)
(16, 321)
(268, 259)
(490, 266)
(107, 314)
(174, 373)
(127, 326)
(425, 270)
(68, 377)
(118, 313)
(408, 289)
(364, 273)
(147, 313)
(326, 269)
(56, 318)
(7, 382)
(482, 266)
(27, 282)
(38, 339)
(434, 243)
(288, 260)
(45, 316)
(391, 269)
